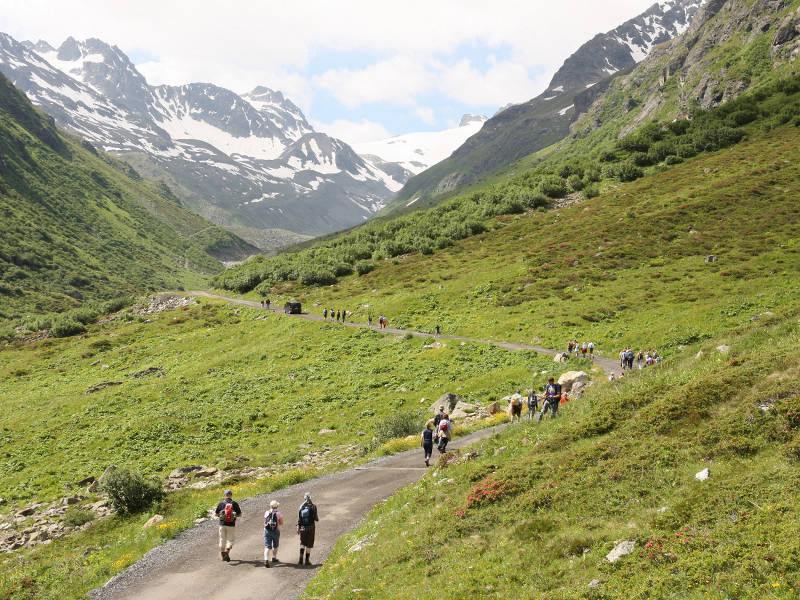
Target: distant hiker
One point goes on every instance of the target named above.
(569, 347)
(325, 313)
(267, 303)
(639, 359)
(552, 396)
(427, 443)
(338, 315)
(437, 418)
(333, 315)
(344, 315)
(622, 358)
(273, 521)
(515, 406)
(591, 350)
(533, 403)
(445, 430)
(437, 331)
(306, 527)
(262, 304)
(228, 511)
(629, 358)
(369, 320)
(584, 348)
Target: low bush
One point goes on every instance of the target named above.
(398, 425)
(130, 492)
(66, 326)
(363, 267)
(75, 517)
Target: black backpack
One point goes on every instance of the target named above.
(271, 520)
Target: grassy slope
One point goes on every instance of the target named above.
(75, 225)
(233, 386)
(624, 268)
(536, 520)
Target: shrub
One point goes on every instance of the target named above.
(364, 266)
(65, 327)
(608, 156)
(673, 160)
(628, 172)
(575, 182)
(75, 517)
(130, 492)
(399, 425)
(591, 191)
(641, 159)
(553, 187)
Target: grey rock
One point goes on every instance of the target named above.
(711, 259)
(570, 379)
(206, 472)
(620, 550)
(703, 475)
(723, 348)
(594, 583)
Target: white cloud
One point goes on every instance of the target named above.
(353, 132)
(426, 115)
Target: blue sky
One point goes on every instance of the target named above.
(360, 70)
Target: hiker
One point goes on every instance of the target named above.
(569, 347)
(639, 359)
(273, 521)
(437, 331)
(306, 527)
(552, 396)
(533, 403)
(584, 348)
(325, 314)
(369, 320)
(344, 315)
(591, 351)
(228, 511)
(445, 428)
(262, 305)
(338, 315)
(437, 418)
(515, 406)
(267, 303)
(629, 359)
(427, 443)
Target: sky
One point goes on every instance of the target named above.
(359, 70)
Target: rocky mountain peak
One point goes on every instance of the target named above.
(69, 50)
(468, 118)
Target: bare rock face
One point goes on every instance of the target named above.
(448, 400)
(571, 379)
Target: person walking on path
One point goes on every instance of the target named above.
(338, 315)
(584, 348)
(344, 315)
(325, 314)
(427, 443)
(267, 303)
(591, 351)
(437, 331)
(306, 527)
(273, 521)
(533, 403)
(437, 418)
(369, 320)
(445, 428)
(552, 396)
(515, 406)
(228, 511)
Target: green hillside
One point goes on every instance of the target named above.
(78, 225)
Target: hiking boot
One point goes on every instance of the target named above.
(274, 559)
(222, 554)
(427, 464)
(308, 562)
(266, 563)
(226, 556)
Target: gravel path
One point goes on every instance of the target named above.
(607, 364)
(189, 566)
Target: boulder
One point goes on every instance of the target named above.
(723, 348)
(181, 471)
(206, 472)
(561, 357)
(70, 500)
(594, 583)
(570, 378)
(435, 346)
(154, 520)
(447, 400)
(462, 410)
(325, 431)
(93, 487)
(109, 469)
(494, 408)
(703, 475)
(620, 550)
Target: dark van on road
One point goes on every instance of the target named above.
(292, 308)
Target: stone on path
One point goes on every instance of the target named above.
(620, 550)
(569, 379)
(703, 475)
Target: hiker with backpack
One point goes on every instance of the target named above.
(273, 520)
(228, 511)
(306, 527)
(325, 314)
(515, 406)
(445, 427)
(591, 351)
(266, 302)
(427, 443)
(552, 396)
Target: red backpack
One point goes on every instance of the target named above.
(443, 426)
(228, 514)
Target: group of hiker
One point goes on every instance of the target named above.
(265, 304)
(228, 510)
(338, 315)
(580, 349)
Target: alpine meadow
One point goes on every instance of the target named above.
(646, 200)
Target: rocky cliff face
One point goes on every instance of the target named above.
(233, 158)
(519, 130)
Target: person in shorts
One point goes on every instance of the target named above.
(273, 520)
(533, 403)
(306, 527)
(228, 511)
(427, 443)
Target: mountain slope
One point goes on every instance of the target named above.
(79, 225)
(224, 154)
(523, 129)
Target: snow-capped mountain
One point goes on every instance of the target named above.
(519, 130)
(249, 162)
(415, 152)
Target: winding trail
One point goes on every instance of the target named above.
(189, 565)
(607, 364)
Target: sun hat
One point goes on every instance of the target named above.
(274, 504)
(307, 496)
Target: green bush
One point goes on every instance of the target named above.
(66, 326)
(398, 425)
(75, 517)
(575, 182)
(641, 159)
(130, 492)
(673, 160)
(591, 191)
(628, 172)
(364, 266)
(553, 186)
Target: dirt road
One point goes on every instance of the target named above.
(607, 364)
(189, 565)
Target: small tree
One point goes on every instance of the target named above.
(130, 492)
